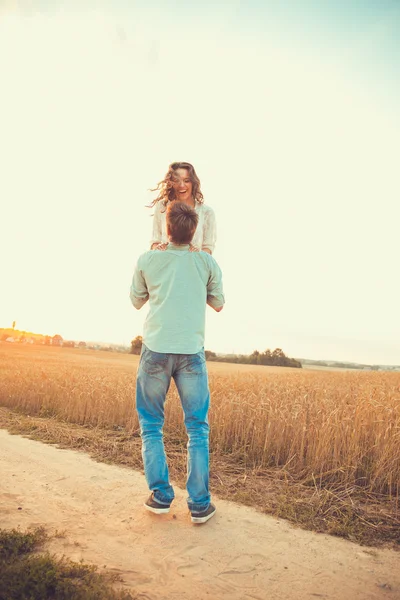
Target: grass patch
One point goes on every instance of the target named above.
(369, 519)
(28, 573)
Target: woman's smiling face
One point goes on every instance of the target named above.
(183, 186)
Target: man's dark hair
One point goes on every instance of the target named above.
(182, 222)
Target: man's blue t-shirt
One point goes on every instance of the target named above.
(178, 284)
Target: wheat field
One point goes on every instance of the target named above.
(323, 426)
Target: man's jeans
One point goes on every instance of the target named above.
(189, 372)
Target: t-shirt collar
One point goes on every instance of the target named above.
(172, 246)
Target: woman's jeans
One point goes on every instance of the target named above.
(189, 372)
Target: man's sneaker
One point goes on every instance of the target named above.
(203, 517)
(155, 507)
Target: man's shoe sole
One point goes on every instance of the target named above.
(157, 511)
(203, 519)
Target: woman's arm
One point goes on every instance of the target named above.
(155, 241)
(209, 231)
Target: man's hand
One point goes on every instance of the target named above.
(218, 309)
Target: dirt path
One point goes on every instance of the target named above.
(239, 555)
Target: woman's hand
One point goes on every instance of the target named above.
(196, 249)
(159, 246)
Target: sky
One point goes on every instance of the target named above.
(289, 112)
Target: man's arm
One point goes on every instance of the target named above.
(215, 292)
(138, 293)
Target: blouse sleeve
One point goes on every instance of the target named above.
(210, 230)
(157, 226)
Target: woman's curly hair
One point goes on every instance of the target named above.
(166, 192)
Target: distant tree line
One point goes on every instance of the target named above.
(275, 358)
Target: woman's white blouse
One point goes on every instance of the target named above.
(206, 231)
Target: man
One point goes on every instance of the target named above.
(178, 284)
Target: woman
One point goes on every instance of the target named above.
(181, 183)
